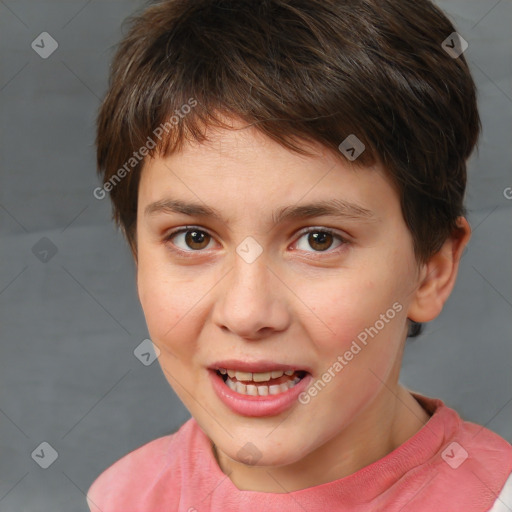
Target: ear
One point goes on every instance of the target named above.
(437, 276)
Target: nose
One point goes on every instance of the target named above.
(252, 301)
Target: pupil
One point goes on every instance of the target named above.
(195, 237)
(319, 238)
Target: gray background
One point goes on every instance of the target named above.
(68, 375)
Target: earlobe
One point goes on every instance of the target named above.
(438, 275)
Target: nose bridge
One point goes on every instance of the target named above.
(250, 299)
(250, 274)
(249, 282)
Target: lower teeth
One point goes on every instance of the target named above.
(260, 390)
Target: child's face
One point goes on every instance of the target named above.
(302, 302)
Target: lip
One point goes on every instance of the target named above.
(254, 406)
(256, 366)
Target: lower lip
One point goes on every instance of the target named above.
(248, 405)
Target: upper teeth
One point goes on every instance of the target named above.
(256, 377)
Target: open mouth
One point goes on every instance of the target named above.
(261, 384)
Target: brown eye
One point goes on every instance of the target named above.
(196, 239)
(189, 239)
(320, 240)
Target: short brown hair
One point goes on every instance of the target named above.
(299, 71)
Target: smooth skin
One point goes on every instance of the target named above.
(301, 302)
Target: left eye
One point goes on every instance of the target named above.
(320, 239)
(195, 239)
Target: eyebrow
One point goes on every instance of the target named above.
(332, 208)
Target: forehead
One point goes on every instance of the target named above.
(240, 170)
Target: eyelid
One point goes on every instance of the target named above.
(168, 236)
(324, 229)
(345, 240)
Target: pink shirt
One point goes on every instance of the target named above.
(448, 465)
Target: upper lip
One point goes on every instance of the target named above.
(256, 366)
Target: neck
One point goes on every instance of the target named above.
(391, 419)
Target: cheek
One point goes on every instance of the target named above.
(358, 318)
(168, 306)
(360, 349)
(345, 307)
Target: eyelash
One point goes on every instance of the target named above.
(334, 234)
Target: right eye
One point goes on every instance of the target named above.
(190, 237)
